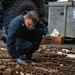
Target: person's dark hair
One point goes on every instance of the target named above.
(33, 16)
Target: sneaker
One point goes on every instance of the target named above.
(28, 58)
(19, 60)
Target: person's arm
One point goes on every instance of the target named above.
(11, 38)
(40, 24)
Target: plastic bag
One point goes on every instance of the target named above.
(55, 33)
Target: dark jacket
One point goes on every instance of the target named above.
(17, 28)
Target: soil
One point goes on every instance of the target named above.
(47, 61)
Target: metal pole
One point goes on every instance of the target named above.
(65, 20)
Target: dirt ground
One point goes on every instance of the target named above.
(47, 61)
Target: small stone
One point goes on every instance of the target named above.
(8, 71)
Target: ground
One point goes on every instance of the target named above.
(48, 60)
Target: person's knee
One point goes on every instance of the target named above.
(25, 48)
(21, 42)
(24, 45)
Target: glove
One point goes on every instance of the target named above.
(19, 60)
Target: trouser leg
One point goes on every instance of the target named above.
(35, 37)
(23, 46)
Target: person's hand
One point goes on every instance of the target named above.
(47, 35)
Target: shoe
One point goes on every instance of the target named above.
(28, 58)
(19, 60)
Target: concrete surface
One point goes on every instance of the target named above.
(2, 43)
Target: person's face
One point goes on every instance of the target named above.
(28, 22)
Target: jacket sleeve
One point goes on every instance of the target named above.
(40, 24)
(11, 38)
